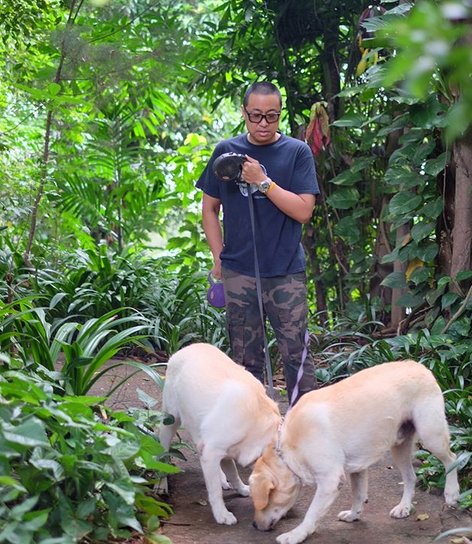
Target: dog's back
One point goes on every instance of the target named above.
(378, 406)
(217, 401)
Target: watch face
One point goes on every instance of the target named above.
(264, 186)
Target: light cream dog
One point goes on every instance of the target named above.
(343, 429)
(227, 413)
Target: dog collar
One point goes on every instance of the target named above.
(278, 450)
(279, 453)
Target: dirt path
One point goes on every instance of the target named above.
(193, 523)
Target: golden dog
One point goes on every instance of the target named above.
(226, 412)
(343, 429)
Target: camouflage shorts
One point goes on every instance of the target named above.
(285, 306)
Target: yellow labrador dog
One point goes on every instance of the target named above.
(343, 429)
(226, 412)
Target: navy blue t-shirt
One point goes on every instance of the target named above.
(290, 163)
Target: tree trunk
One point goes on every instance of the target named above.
(398, 312)
(47, 141)
(462, 230)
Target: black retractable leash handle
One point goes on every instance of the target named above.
(228, 167)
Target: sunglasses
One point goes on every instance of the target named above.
(271, 117)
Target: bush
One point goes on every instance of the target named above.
(71, 468)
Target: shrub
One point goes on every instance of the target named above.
(71, 468)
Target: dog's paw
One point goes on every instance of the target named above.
(401, 511)
(225, 518)
(243, 490)
(292, 537)
(451, 498)
(348, 516)
(226, 485)
(162, 487)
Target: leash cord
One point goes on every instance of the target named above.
(268, 364)
(300, 369)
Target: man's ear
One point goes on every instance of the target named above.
(260, 486)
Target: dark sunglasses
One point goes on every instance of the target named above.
(271, 117)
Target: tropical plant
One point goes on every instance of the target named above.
(72, 469)
(75, 353)
(180, 315)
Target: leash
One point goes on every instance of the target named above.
(300, 369)
(268, 364)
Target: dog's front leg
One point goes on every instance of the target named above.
(326, 492)
(231, 472)
(210, 461)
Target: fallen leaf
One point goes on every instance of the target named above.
(422, 517)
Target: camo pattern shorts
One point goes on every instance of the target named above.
(284, 301)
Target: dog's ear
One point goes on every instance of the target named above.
(261, 486)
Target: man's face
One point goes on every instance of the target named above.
(262, 132)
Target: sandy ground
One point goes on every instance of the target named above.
(192, 522)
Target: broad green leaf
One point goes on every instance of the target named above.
(350, 120)
(11, 482)
(30, 433)
(123, 449)
(348, 177)
(425, 252)
(461, 327)
(49, 465)
(448, 299)
(343, 199)
(409, 300)
(403, 203)
(124, 489)
(433, 210)
(464, 275)
(395, 280)
(145, 460)
(434, 166)
(348, 229)
(422, 230)
(19, 510)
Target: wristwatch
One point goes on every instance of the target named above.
(264, 186)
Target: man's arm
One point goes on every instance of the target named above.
(297, 206)
(213, 232)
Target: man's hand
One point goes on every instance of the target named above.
(216, 270)
(252, 171)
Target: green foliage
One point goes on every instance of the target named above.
(180, 315)
(71, 469)
(95, 281)
(74, 353)
(170, 293)
(432, 52)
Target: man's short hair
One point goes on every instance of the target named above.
(262, 87)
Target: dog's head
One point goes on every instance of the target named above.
(274, 489)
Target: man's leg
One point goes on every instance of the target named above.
(243, 322)
(285, 301)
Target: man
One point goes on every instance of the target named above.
(280, 173)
